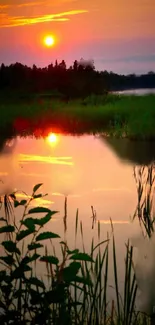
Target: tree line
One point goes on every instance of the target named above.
(79, 80)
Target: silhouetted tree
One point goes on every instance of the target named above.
(79, 80)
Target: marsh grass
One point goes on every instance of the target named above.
(122, 116)
(78, 283)
(76, 290)
(145, 182)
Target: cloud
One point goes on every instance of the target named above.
(31, 4)
(132, 58)
(9, 3)
(46, 159)
(21, 21)
(20, 5)
(45, 3)
(119, 222)
(4, 7)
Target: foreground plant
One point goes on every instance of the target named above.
(24, 297)
(145, 242)
(74, 289)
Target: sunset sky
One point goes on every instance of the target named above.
(118, 34)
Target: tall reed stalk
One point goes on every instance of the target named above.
(78, 281)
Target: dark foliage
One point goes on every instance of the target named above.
(79, 80)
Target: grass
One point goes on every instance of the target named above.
(122, 116)
(74, 288)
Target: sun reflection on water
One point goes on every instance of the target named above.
(52, 138)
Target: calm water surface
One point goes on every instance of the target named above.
(90, 171)
(143, 91)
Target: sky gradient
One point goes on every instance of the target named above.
(118, 35)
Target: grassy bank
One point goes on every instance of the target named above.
(74, 286)
(122, 116)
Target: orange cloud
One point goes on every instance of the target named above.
(31, 4)
(4, 6)
(119, 222)
(45, 3)
(21, 21)
(45, 159)
(8, 3)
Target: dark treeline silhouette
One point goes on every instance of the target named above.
(79, 80)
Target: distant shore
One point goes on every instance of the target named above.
(114, 115)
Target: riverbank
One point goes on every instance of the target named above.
(115, 115)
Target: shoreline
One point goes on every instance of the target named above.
(128, 116)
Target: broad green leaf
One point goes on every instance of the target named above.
(39, 210)
(75, 251)
(69, 273)
(36, 282)
(18, 273)
(30, 222)
(11, 247)
(23, 233)
(18, 203)
(7, 229)
(81, 257)
(28, 259)
(83, 280)
(34, 246)
(50, 259)
(36, 187)
(44, 220)
(46, 235)
(7, 259)
(37, 196)
(36, 298)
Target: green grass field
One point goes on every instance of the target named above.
(122, 116)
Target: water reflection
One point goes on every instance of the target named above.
(52, 138)
(83, 173)
(136, 152)
(8, 165)
(78, 167)
(86, 172)
(83, 169)
(140, 92)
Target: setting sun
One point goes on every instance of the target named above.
(49, 40)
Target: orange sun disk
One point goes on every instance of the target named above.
(49, 41)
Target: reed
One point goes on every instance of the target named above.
(74, 289)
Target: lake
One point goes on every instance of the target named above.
(90, 171)
(140, 91)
